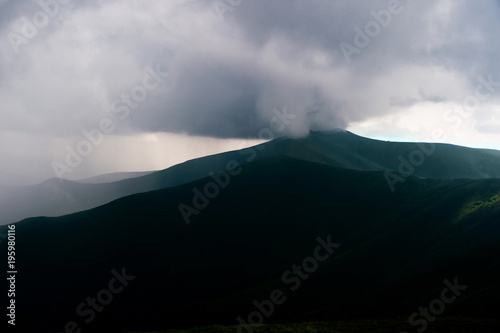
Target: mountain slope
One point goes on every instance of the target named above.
(442, 161)
(396, 250)
(338, 148)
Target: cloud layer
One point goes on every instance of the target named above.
(378, 67)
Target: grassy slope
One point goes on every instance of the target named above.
(396, 250)
(347, 150)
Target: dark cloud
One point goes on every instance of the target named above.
(227, 76)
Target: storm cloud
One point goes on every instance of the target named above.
(377, 66)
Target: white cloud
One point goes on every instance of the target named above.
(423, 121)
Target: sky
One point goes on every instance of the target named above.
(92, 87)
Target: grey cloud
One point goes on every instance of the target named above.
(216, 97)
(227, 76)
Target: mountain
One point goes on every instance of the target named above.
(337, 148)
(113, 177)
(443, 161)
(390, 253)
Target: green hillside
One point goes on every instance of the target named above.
(443, 161)
(396, 250)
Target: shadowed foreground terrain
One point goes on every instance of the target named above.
(393, 251)
(452, 325)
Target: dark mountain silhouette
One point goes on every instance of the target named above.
(396, 248)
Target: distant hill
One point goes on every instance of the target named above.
(113, 177)
(396, 249)
(336, 148)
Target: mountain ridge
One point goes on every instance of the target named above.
(336, 148)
